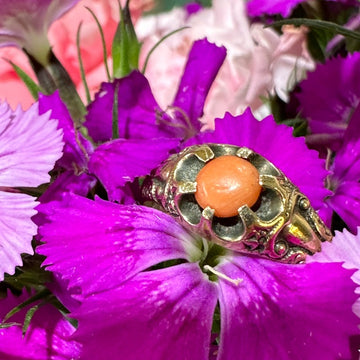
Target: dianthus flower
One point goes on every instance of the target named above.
(149, 295)
(344, 178)
(259, 61)
(333, 116)
(30, 144)
(327, 103)
(143, 124)
(71, 170)
(282, 7)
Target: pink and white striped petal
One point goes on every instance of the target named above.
(16, 229)
(30, 144)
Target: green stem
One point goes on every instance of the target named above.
(319, 24)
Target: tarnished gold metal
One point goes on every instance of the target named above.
(281, 226)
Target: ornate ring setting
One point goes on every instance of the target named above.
(238, 199)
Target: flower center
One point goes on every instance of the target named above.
(227, 183)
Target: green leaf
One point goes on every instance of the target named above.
(125, 46)
(320, 25)
(32, 86)
(29, 315)
(352, 45)
(30, 275)
(53, 76)
(9, 324)
(40, 295)
(317, 42)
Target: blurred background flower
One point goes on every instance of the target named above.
(259, 61)
(62, 39)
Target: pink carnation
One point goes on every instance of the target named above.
(259, 61)
(30, 144)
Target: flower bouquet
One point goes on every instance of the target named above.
(180, 182)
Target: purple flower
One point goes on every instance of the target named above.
(140, 116)
(271, 7)
(24, 23)
(143, 126)
(47, 336)
(131, 307)
(282, 7)
(72, 168)
(29, 146)
(346, 248)
(328, 103)
(344, 178)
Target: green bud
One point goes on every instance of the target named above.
(125, 47)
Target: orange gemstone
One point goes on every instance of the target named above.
(227, 183)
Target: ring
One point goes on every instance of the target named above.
(238, 199)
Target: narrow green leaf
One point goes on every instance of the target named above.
(102, 42)
(53, 76)
(158, 43)
(115, 113)
(317, 42)
(32, 86)
(81, 65)
(10, 324)
(319, 24)
(29, 315)
(40, 295)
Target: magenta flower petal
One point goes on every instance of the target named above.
(138, 110)
(272, 7)
(46, 338)
(67, 181)
(344, 248)
(344, 179)
(346, 203)
(140, 116)
(161, 314)
(119, 241)
(282, 7)
(327, 102)
(286, 312)
(16, 212)
(276, 143)
(29, 146)
(203, 64)
(119, 161)
(77, 148)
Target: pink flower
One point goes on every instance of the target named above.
(30, 144)
(24, 23)
(259, 61)
(62, 37)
